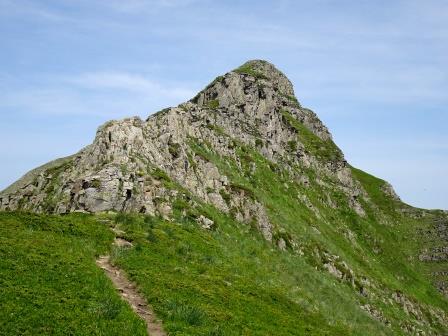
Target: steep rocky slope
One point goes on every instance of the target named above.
(245, 147)
(254, 105)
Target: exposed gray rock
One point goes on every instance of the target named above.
(375, 313)
(129, 162)
(389, 190)
(206, 223)
(333, 270)
(408, 306)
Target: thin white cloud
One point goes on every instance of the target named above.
(115, 94)
(133, 83)
(143, 6)
(379, 84)
(30, 9)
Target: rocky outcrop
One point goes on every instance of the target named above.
(128, 164)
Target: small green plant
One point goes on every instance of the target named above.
(190, 315)
(240, 188)
(161, 112)
(124, 169)
(325, 150)
(174, 149)
(282, 235)
(248, 70)
(292, 145)
(216, 80)
(213, 104)
(225, 196)
(110, 308)
(124, 218)
(150, 221)
(216, 128)
(96, 184)
(152, 237)
(160, 175)
(292, 99)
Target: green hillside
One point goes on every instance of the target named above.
(228, 280)
(49, 283)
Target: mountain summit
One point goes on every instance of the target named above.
(253, 105)
(245, 149)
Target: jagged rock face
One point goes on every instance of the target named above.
(126, 167)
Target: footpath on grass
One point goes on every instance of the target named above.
(128, 290)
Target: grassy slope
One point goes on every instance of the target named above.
(231, 282)
(49, 283)
(228, 281)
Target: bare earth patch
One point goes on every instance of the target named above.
(129, 293)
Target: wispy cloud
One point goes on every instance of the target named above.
(398, 85)
(142, 6)
(130, 82)
(30, 9)
(102, 93)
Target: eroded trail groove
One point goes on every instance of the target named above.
(129, 293)
(128, 290)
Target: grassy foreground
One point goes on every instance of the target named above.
(49, 283)
(226, 282)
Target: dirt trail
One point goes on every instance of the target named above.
(129, 293)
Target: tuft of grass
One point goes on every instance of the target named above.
(292, 145)
(96, 184)
(218, 79)
(292, 99)
(174, 149)
(181, 312)
(248, 70)
(324, 150)
(160, 175)
(213, 104)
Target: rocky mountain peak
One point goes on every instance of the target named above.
(252, 108)
(264, 70)
(245, 85)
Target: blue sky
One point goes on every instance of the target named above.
(376, 72)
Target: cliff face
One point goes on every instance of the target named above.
(245, 146)
(253, 105)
